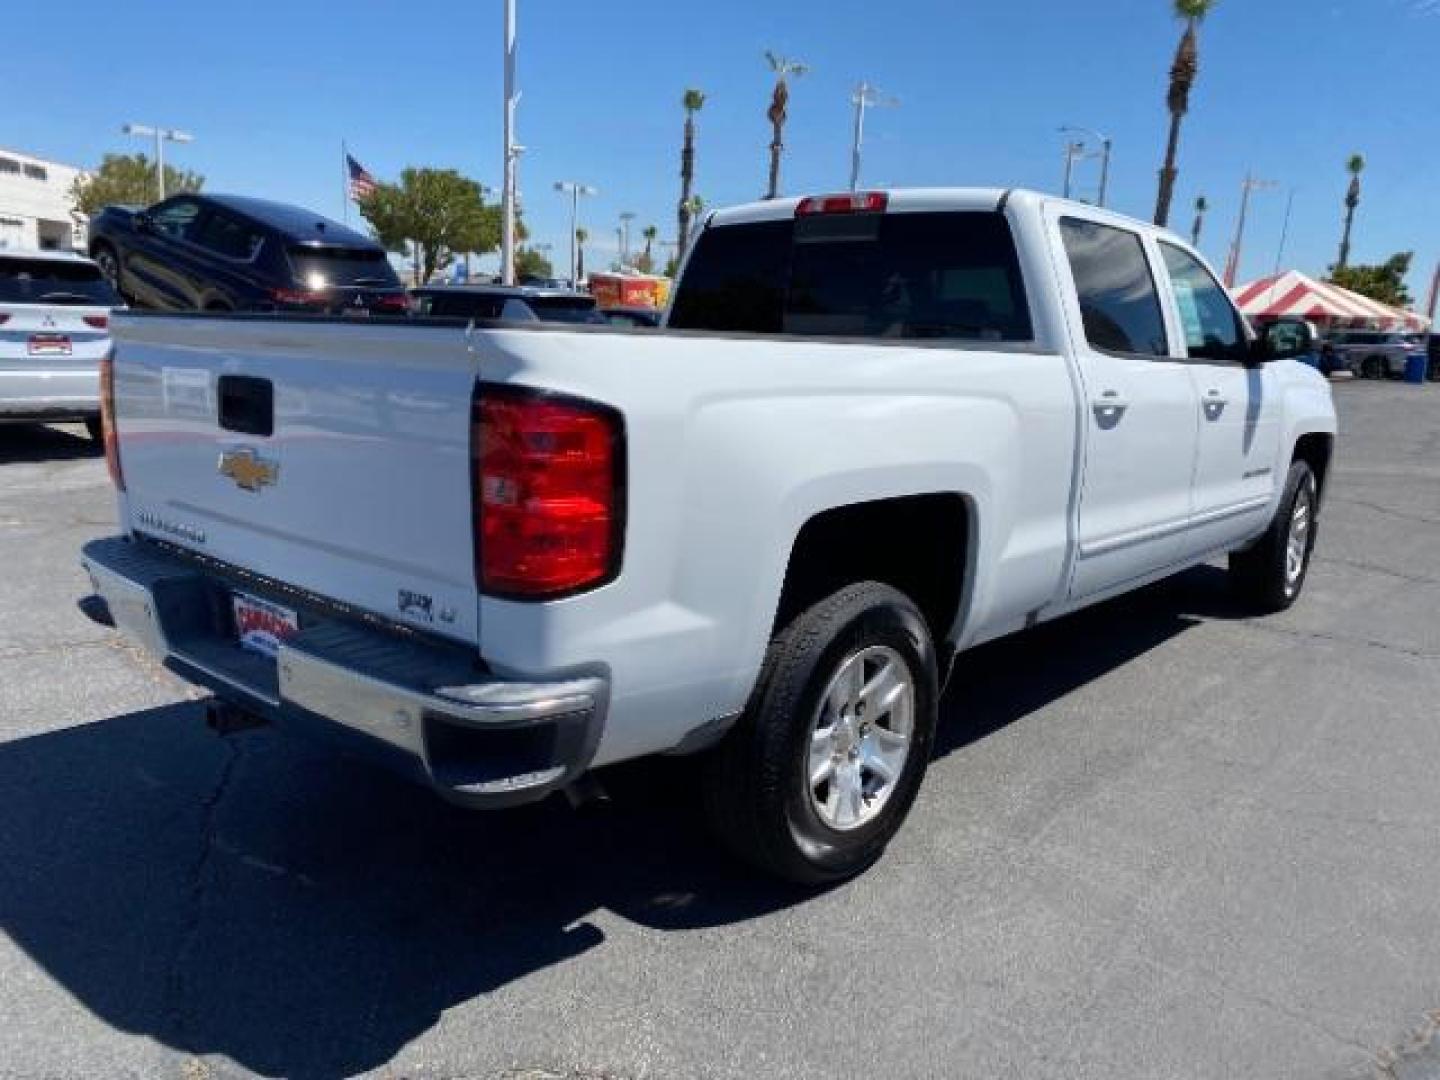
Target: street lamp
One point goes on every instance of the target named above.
(1251, 183)
(1106, 144)
(161, 137)
(626, 216)
(574, 189)
(511, 153)
(864, 97)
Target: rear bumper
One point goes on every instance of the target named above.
(34, 392)
(425, 707)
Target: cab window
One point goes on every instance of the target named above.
(1213, 330)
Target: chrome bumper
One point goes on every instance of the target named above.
(425, 706)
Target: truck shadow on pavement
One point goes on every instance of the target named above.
(307, 916)
(31, 443)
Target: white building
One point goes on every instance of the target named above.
(36, 209)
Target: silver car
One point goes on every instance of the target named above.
(1376, 354)
(54, 328)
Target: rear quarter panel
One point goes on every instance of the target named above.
(733, 444)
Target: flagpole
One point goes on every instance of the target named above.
(345, 180)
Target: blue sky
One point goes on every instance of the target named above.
(1287, 88)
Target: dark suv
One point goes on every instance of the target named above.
(232, 253)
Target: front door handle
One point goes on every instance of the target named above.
(1214, 404)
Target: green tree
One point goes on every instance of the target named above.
(1384, 282)
(778, 113)
(128, 180)
(692, 102)
(434, 213)
(1202, 205)
(532, 263)
(1182, 79)
(1355, 165)
(672, 267)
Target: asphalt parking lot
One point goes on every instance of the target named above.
(1160, 839)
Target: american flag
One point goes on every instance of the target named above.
(362, 184)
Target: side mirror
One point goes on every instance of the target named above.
(1283, 341)
(144, 222)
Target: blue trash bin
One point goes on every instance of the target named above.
(1415, 367)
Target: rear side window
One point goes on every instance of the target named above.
(317, 266)
(228, 236)
(46, 281)
(1118, 301)
(949, 275)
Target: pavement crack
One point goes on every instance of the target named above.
(1420, 1041)
(1404, 515)
(200, 879)
(1341, 639)
(1375, 568)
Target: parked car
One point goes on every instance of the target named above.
(234, 253)
(54, 328)
(879, 428)
(1376, 354)
(632, 316)
(522, 302)
(1432, 349)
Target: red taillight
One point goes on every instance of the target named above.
(107, 420)
(99, 322)
(298, 296)
(392, 302)
(548, 475)
(852, 202)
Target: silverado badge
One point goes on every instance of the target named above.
(248, 469)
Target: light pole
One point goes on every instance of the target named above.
(626, 216)
(575, 189)
(1106, 145)
(864, 97)
(161, 136)
(512, 152)
(1073, 150)
(1232, 265)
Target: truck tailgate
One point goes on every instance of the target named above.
(334, 458)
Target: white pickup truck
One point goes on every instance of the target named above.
(877, 429)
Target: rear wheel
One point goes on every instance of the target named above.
(105, 259)
(1270, 574)
(1373, 367)
(823, 767)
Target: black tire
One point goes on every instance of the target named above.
(95, 429)
(758, 795)
(1373, 367)
(1260, 573)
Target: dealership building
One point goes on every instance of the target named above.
(36, 207)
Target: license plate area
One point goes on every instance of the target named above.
(49, 345)
(261, 625)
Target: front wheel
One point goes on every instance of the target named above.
(1373, 367)
(822, 768)
(1270, 574)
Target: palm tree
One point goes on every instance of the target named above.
(779, 99)
(695, 207)
(1182, 78)
(1202, 204)
(1354, 166)
(693, 102)
(581, 235)
(651, 234)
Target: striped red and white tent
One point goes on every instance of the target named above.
(1297, 296)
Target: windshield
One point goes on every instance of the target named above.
(54, 281)
(317, 267)
(898, 275)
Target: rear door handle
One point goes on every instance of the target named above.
(1110, 407)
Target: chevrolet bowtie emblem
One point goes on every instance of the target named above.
(248, 469)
